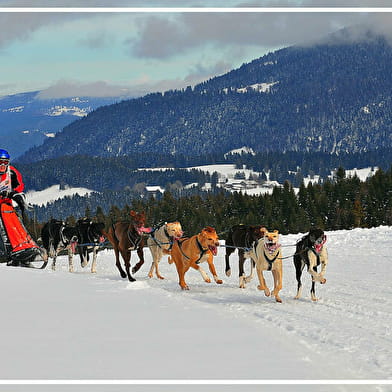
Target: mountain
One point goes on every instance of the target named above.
(26, 119)
(332, 97)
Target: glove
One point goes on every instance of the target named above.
(20, 200)
(4, 193)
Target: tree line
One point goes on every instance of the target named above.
(340, 203)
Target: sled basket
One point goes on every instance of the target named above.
(18, 244)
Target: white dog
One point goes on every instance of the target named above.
(160, 242)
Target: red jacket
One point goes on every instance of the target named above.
(10, 181)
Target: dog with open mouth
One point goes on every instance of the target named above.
(267, 255)
(190, 252)
(160, 242)
(312, 252)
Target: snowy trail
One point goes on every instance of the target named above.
(353, 316)
(100, 326)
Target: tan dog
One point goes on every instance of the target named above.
(191, 251)
(160, 242)
(268, 257)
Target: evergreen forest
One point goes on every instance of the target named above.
(341, 203)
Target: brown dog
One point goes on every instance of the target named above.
(160, 242)
(128, 236)
(189, 252)
(268, 257)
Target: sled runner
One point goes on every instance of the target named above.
(17, 248)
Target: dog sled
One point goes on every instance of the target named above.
(17, 248)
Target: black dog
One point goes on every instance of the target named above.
(310, 251)
(56, 236)
(91, 236)
(242, 237)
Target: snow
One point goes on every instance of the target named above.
(362, 174)
(16, 109)
(66, 326)
(59, 110)
(53, 193)
(259, 87)
(244, 149)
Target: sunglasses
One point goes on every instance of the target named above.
(4, 161)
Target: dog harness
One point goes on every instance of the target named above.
(201, 249)
(62, 240)
(91, 237)
(159, 243)
(270, 261)
(135, 241)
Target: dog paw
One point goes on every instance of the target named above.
(278, 299)
(184, 287)
(219, 281)
(160, 277)
(267, 292)
(323, 281)
(228, 273)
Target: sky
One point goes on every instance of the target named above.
(132, 53)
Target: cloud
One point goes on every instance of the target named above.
(97, 41)
(161, 37)
(5, 88)
(66, 88)
(20, 26)
(137, 88)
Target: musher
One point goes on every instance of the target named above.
(11, 183)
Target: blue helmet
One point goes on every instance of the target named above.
(4, 154)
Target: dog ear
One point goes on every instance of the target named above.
(276, 231)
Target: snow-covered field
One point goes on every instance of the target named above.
(53, 193)
(84, 327)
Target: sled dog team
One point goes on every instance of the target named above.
(256, 243)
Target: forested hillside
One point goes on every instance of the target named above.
(330, 98)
